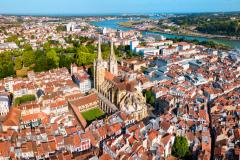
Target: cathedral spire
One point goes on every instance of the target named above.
(112, 64)
(99, 68)
(112, 54)
(99, 56)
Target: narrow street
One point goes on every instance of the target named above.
(212, 130)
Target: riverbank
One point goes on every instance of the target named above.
(126, 24)
(114, 24)
(197, 34)
(193, 34)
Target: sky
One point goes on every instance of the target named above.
(115, 6)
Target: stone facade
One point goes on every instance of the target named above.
(113, 66)
(116, 89)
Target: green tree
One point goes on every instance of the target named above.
(24, 98)
(10, 69)
(13, 38)
(17, 53)
(41, 62)
(148, 94)
(90, 58)
(46, 46)
(61, 28)
(70, 50)
(65, 61)
(85, 39)
(152, 100)
(18, 63)
(6, 65)
(28, 58)
(84, 58)
(27, 47)
(91, 48)
(149, 97)
(105, 50)
(180, 147)
(81, 58)
(83, 48)
(52, 59)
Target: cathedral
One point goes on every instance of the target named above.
(117, 89)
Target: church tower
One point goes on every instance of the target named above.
(99, 68)
(113, 66)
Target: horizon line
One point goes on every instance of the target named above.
(107, 14)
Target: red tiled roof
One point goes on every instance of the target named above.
(105, 156)
(165, 139)
(5, 149)
(85, 100)
(74, 96)
(102, 132)
(58, 104)
(35, 116)
(79, 116)
(109, 76)
(152, 135)
(116, 127)
(89, 135)
(12, 118)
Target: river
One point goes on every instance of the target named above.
(113, 24)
